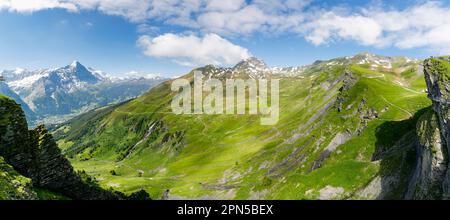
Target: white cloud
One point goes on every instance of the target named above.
(330, 25)
(147, 29)
(134, 10)
(245, 21)
(423, 25)
(221, 5)
(191, 50)
(179, 12)
(28, 6)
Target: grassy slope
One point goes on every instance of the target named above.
(230, 157)
(12, 184)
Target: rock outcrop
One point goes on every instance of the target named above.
(51, 170)
(431, 164)
(34, 154)
(432, 176)
(14, 136)
(437, 76)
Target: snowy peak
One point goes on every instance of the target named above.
(71, 77)
(16, 74)
(381, 61)
(77, 67)
(75, 64)
(251, 65)
(78, 72)
(253, 68)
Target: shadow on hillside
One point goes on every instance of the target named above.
(395, 149)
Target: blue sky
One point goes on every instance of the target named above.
(171, 37)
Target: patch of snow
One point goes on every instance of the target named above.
(27, 81)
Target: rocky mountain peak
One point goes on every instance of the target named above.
(252, 64)
(77, 71)
(76, 64)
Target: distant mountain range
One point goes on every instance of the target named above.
(53, 95)
(257, 68)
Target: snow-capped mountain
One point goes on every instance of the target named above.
(371, 60)
(71, 78)
(72, 89)
(253, 68)
(256, 68)
(252, 65)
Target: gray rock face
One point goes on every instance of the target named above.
(432, 177)
(53, 171)
(431, 166)
(437, 78)
(339, 139)
(14, 136)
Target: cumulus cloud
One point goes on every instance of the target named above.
(356, 27)
(35, 5)
(192, 50)
(422, 25)
(220, 5)
(178, 12)
(244, 21)
(133, 10)
(267, 16)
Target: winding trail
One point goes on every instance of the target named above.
(392, 104)
(413, 91)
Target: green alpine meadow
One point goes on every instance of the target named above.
(232, 108)
(348, 129)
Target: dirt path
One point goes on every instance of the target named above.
(392, 104)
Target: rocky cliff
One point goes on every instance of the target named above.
(431, 179)
(35, 155)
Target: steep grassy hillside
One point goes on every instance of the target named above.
(32, 166)
(346, 131)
